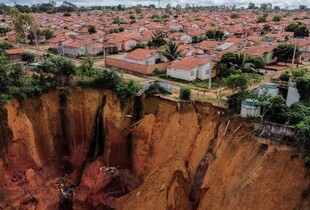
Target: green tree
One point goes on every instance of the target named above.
(23, 25)
(215, 34)
(138, 9)
(303, 86)
(185, 94)
(172, 51)
(168, 9)
(234, 15)
(285, 52)
(92, 29)
(303, 7)
(277, 18)
(28, 57)
(67, 14)
(158, 39)
(48, 34)
(267, 27)
(178, 9)
(275, 109)
(14, 12)
(299, 29)
(237, 82)
(251, 6)
(297, 113)
(261, 19)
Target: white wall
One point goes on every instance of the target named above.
(204, 71)
(191, 75)
(181, 74)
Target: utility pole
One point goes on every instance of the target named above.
(293, 60)
(209, 87)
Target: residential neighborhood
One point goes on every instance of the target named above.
(134, 39)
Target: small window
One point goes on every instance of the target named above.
(208, 72)
(192, 73)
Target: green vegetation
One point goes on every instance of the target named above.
(28, 57)
(215, 34)
(158, 39)
(299, 72)
(138, 46)
(261, 19)
(277, 18)
(185, 94)
(91, 29)
(233, 63)
(285, 52)
(172, 51)
(5, 46)
(299, 29)
(67, 14)
(110, 79)
(116, 30)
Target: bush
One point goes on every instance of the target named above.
(285, 76)
(297, 113)
(28, 57)
(307, 161)
(237, 82)
(303, 86)
(185, 94)
(67, 14)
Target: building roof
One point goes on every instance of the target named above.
(190, 62)
(141, 54)
(14, 51)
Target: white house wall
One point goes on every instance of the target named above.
(180, 74)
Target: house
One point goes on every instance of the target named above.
(81, 47)
(265, 51)
(145, 57)
(14, 54)
(179, 36)
(124, 43)
(205, 47)
(191, 68)
(11, 36)
(142, 61)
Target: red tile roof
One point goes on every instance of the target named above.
(141, 54)
(188, 63)
(14, 51)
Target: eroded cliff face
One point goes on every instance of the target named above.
(186, 162)
(53, 136)
(178, 156)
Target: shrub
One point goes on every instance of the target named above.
(307, 161)
(285, 76)
(67, 14)
(185, 94)
(28, 57)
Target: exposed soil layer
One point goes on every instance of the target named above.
(76, 149)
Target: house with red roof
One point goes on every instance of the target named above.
(191, 68)
(143, 61)
(81, 47)
(145, 57)
(11, 36)
(265, 51)
(180, 36)
(14, 54)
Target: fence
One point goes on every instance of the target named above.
(139, 68)
(166, 86)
